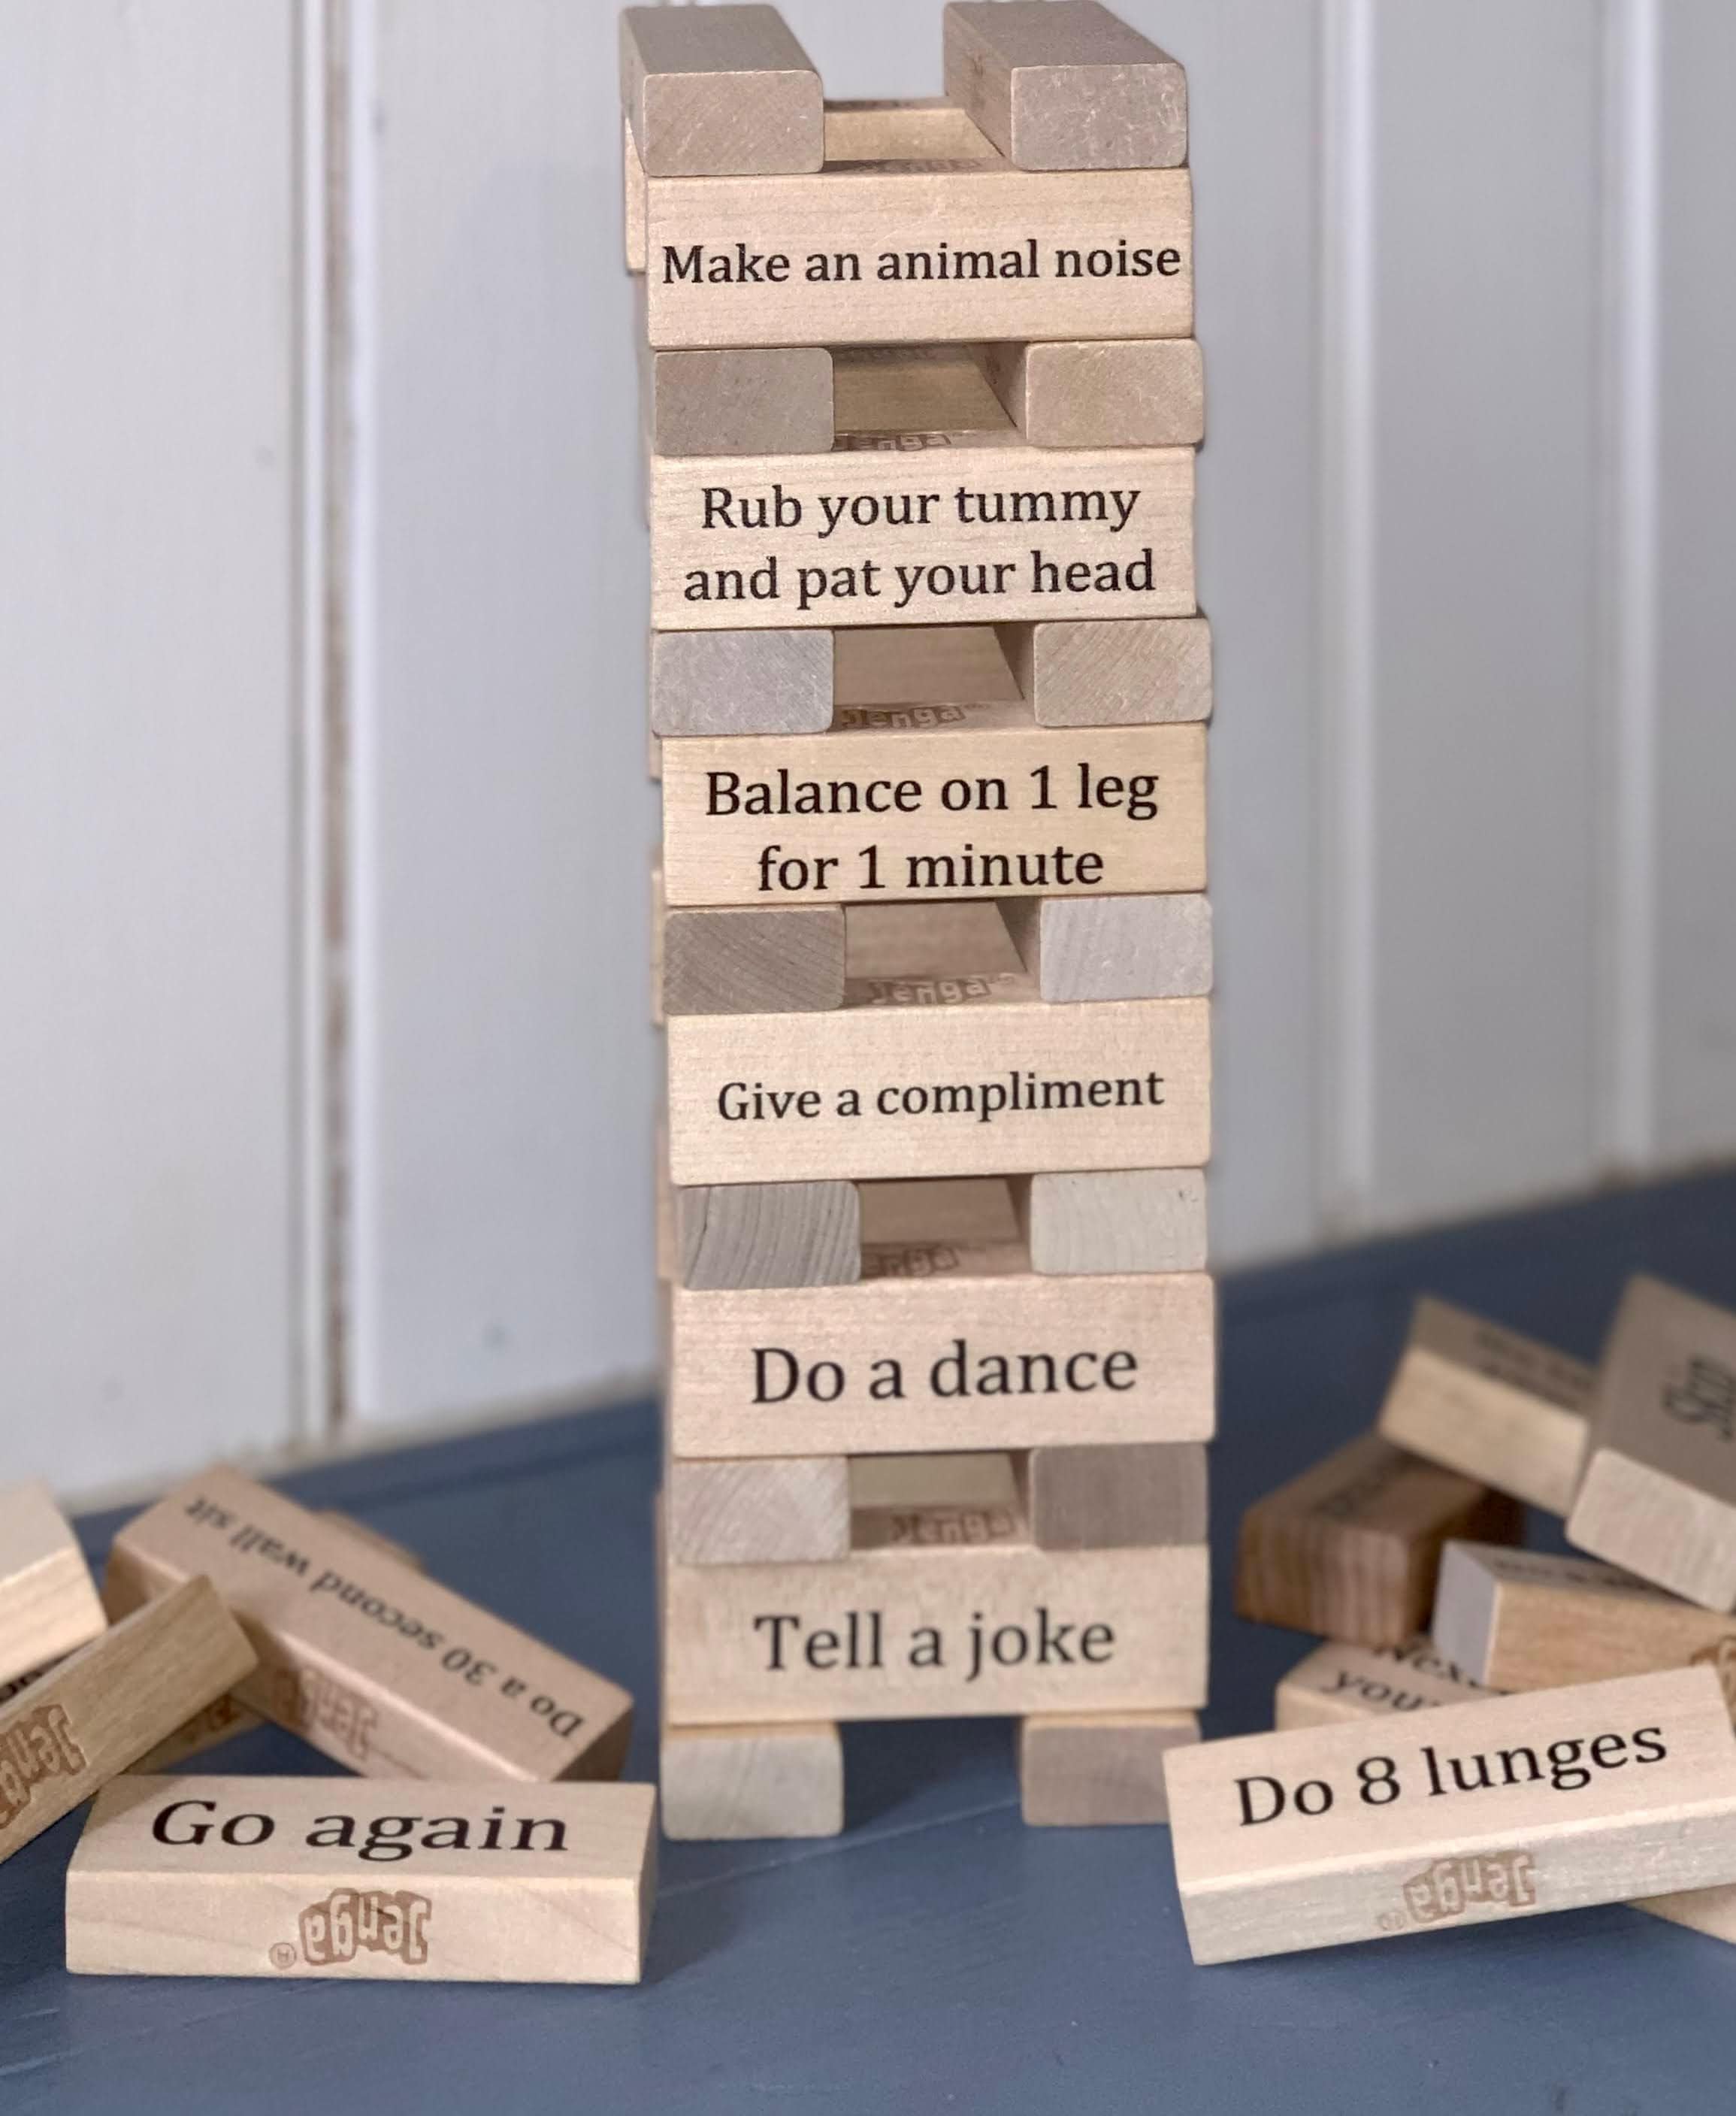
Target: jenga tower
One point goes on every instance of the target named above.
(929, 687)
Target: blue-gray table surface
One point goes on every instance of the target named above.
(938, 1955)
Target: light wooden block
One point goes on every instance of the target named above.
(951, 1226)
(720, 92)
(739, 683)
(632, 199)
(917, 1501)
(910, 129)
(294, 1877)
(783, 1511)
(1487, 1401)
(1659, 1491)
(731, 1235)
(1511, 1807)
(941, 1365)
(961, 667)
(968, 1086)
(86, 1720)
(958, 253)
(1523, 1620)
(748, 401)
(904, 392)
(1081, 1770)
(372, 1664)
(888, 945)
(1350, 1548)
(1118, 1220)
(1105, 1498)
(790, 960)
(983, 810)
(1133, 672)
(48, 1601)
(917, 1634)
(1115, 947)
(1338, 1681)
(966, 533)
(1116, 394)
(741, 1782)
(1066, 84)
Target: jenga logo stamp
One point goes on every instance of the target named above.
(1448, 1888)
(1720, 1658)
(384, 1921)
(38, 1745)
(1705, 1394)
(309, 1703)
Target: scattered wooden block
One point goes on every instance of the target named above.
(1137, 670)
(916, 1634)
(917, 1501)
(1659, 1491)
(730, 1236)
(371, 1664)
(1338, 1682)
(886, 538)
(1081, 1770)
(790, 960)
(720, 92)
(1114, 947)
(84, 1722)
(973, 253)
(1066, 84)
(785, 1510)
(906, 1365)
(918, 129)
(1115, 394)
(1350, 1548)
(1511, 1807)
(1523, 1620)
(1118, 1220)
(765, 1780)
(960, 1088)
(739, 683)
(1142, 1495)
(289, 1878)
(48, 1601)
(749, 401)
(1487, 1401)
(871, 817)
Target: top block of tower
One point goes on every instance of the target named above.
(1066, 84)
(720, 92)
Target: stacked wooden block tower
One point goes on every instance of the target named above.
(927, 688)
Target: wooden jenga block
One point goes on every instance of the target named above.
(1107, 1498)
(962, 254)
(1114, 947)
(282, 1877)
(1118, 1220)
(960, 669)
(1116, 394)
(942, 1365)
(739, 683)
(85, 1721)
(374, 1665)
(947, 1226)
(888, 537)
(1350, 1548)
(48, 1601)
(720, 92)
(919, 129)
(763, 1781)
(1487, 1401)
(917, 1501)
(887, 945)
(848, 817)
(1511, 1807)
(1136, 671)
(1081, 1770)
(790, 960)
(953, 1083)
(729, 1235)
(1338, 1682)
(906, 390)
(784, 1510)
(1066, 84)
(749, 401)
(632, 199)
(1523, 1620)
(917, 1633)
(1659, 1491)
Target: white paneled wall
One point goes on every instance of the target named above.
(324, 1051)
